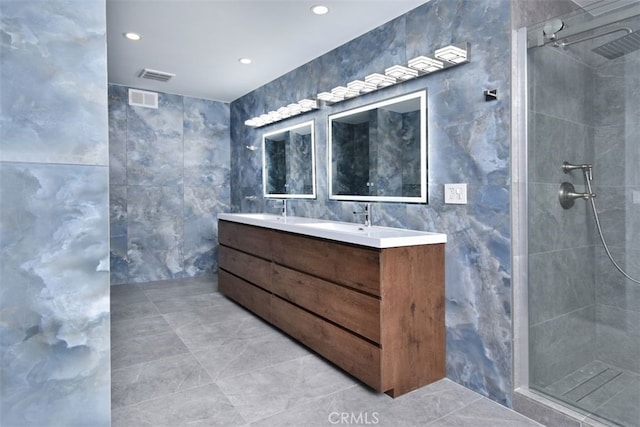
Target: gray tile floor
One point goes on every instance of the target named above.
(183, 355)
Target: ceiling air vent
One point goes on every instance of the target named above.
(141, 98)
(159, 76)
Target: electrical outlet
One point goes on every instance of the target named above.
(455, 194)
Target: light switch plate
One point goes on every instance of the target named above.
(455, 194)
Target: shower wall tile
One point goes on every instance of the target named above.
(554, 140)
(562, 345)
(556, 76)
(55, 294)
(468, 142)
(610, 203)
(526, 13)
(553, 228)
(618, 337)
(610, 157)
(561, 284)
(174, 165)
(52, 79)
(612, 287)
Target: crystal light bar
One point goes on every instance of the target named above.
(452, 54)
(446, 57)
(380, 80)
(425, 64)
(401, 73)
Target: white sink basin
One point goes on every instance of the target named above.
(374, 236)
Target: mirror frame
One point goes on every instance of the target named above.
(422, 98)
(312, 195)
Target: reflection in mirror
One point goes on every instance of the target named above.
(379, 152)
(288, 162)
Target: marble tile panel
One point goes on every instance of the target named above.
(118, 100)
(53, 110)
(206, 143)
(153, 203)
(55, 293)
(199, 406)
(119, 273)
(158, 378)
(262, 393)
(118, 210)
(155, 250)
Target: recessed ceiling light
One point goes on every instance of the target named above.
(320, 9)
(132, 36)
(245, 61)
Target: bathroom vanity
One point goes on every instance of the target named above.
(369, 299)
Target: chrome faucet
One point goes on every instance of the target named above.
(366, 213)
(283, 203)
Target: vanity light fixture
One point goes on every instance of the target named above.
(361, 86)
(329, 97)
(425, 64)
(308, 104)
(452, 54)
(401, 72)
(446, 57)
(344, 92)
(132, 36)
(380, 80)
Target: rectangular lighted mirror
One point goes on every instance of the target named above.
(378, 152)
(288, 162)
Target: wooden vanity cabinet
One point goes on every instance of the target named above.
(376, 313)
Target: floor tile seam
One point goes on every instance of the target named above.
(153, 334)
(152, 360)
(302, 404)
(453, 411)
(163, 396)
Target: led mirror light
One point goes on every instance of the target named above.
(401, 73)
(425, 64)
(380, 80)
(452, 54)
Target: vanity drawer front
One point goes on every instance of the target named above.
(344, 264)
(245, 294)
(250, 268)
(355, 355)
(246, 238)
(355, 311)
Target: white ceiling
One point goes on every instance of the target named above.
(200, 41)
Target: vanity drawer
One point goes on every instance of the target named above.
(245, 294)
(347, 265)
(250, 268)
(355, 355)
(355, 311)
(246, 238)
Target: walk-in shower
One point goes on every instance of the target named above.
(582, 194)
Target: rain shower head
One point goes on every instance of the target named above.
(619, 47)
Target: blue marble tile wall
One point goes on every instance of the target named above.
(468, 142)
(299, 175)
(169, 178)
(54, 221)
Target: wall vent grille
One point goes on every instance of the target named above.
(141, 98)
(156, 75)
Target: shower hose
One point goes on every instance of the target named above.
(587, 181)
